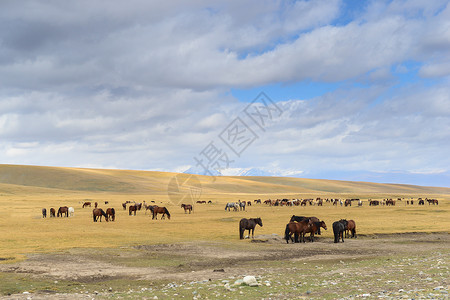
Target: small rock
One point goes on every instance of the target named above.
(155, 298)
(250, 281)
(366, 295)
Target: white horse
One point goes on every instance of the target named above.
(71, 211)
(232, 205)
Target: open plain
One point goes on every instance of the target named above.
(400, 251)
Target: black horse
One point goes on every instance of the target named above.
(44, 213)
(339, 229)
(295, 218)
(248, 224)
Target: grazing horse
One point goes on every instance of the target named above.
(86, 204)
(296, 228)
(314, 227)
(110, 214)
(338, 230)
(248, 224)
(132, 208)
(44, 213)
(351, 227)
(52, 212)
(63, 210)
(160, 210)
(187, 207)
(232, 205)
(71, 211)
(124, 205)
(98, 213)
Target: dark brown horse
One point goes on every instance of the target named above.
(98, 213)
(44, 213)
(187, 207)
(160, 210)
(248, 224)
(298, 229)
(52, 212)
(63, 210)
(314, 227)
(351, 227)
(131, 209)
(86, 204)
(124, 205)
(339, 229)
(111, 214)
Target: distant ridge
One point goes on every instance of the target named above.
(16, 177)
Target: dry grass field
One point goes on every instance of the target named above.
(25, 190)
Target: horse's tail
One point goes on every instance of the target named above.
(167, 212)
(286, 233)
(226, 206)
(113, 218)
(93, 215)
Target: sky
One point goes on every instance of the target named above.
(346, 90)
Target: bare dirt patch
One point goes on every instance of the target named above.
(197, 261)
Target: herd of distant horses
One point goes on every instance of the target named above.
(295, 231)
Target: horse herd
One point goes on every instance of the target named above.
(299, 226)
(109, 214)
(63, 211)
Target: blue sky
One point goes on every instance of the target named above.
(363, 86)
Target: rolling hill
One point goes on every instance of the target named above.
(48, 179)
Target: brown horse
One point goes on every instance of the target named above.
(98, 213)
(52, 212)
(124, 205)
(160, 210)
(44, 213)
(187, 207)
(86, 204)
(132, 208)
(296, 228)
(248, 224)
(63, 210)
(314, 227)
(111, 214)
(351, 227)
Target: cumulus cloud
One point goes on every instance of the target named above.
(145, 85)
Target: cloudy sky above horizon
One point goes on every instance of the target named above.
(363, 87)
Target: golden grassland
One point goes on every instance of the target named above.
(25, 190)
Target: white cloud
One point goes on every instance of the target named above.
(145, 85)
